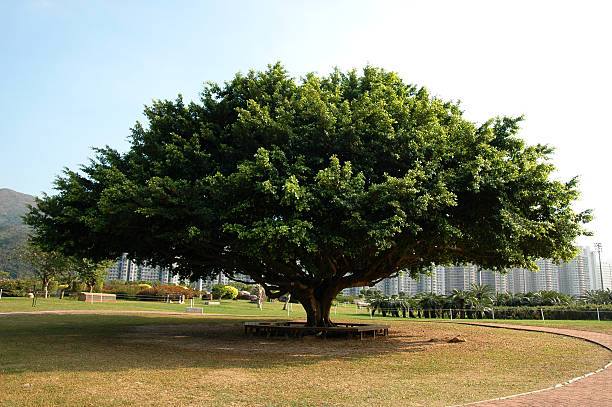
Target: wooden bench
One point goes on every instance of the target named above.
(299, 329)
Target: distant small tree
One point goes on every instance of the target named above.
(46, 265)
(91, 273)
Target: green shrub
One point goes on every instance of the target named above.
(52, 287)
(164, 290)
(220, 291)
(17, 287)
(345, 298)
(577, 312)
(78, 287)
(120, 287)
(230, 292)
(241, 286)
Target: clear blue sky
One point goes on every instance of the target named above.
(76, 74)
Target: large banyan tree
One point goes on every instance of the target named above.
(312, 186)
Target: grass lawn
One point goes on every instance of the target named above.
(167, 360)
(20, 304)
(595, 326)
(274, 309)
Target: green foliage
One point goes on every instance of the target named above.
(224, 292)
(241, 286)
(164, 290)
(78, 287)
(16, 287)
(539, 298)
(598, 297)
(369, 292)
(121, 287)
(345, 298)
(91, 273)
(48, 266)
(575, 312)
(480, 302)
(313, 186)
(231, 292)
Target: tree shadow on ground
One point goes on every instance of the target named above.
(104, 343)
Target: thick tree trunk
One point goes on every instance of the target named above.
(317, 312)
(317, 303)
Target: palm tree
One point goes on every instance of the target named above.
(598, 296)
(483, 293)
(459, 300)
(391, 306)
(379, 304)
(502, 299)
(554, 298)
(431, 303)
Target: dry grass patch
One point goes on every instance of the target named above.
(160, 361)
(604, 327)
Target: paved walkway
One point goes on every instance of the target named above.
(592, 390)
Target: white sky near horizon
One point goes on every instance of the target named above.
(75, 75)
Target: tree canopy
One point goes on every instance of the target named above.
(315, 185)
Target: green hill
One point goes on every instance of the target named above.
(13, 232)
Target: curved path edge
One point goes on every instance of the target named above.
(592, 389)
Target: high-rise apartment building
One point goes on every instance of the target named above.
(606, 270)
(126, 269)
(573, 278)
(460, 277)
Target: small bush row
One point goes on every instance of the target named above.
(16, 288)
(555, 312)
(164, 290)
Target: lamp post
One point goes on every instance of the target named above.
(598, 249)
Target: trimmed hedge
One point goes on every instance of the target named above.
(585, 312)
(125, 289)
(164, 290)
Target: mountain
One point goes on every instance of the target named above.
(13, 233)
(13, 206)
